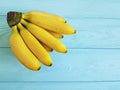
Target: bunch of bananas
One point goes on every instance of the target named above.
(34, 34)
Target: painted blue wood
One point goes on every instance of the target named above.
(73, 8)
(76, 65)
(92, 61)
(60, 85)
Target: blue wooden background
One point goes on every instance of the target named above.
(93, 58)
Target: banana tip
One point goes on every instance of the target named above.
(62, 36)
(65, 21)
(39, 68)
(51, 50)
(65, 51)
(74, 31)
(50, 64)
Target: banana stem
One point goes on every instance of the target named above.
(13, 18)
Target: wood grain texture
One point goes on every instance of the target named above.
(76, 65)
(93, 58)
(60, 85)
(66, 8)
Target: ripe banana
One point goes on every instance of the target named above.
(57, 35)
(45, 14)
(46, 47)
(34, 34)
(21, 51)
(49, 24)
(45, 37)
(35, 46)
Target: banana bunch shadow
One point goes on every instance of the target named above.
(36, 33)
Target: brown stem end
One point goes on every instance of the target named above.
(13, 18)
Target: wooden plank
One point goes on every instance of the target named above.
(91, 33)
(73, 8)
(60, 85)
(4, 32)
(76, 65)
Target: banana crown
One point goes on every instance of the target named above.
(13, 18)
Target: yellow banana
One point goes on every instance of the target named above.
(46, 47)
(21, 51)
(49, 24)
(46, 15)
(45, 37)
(35, 46)
(57, 35)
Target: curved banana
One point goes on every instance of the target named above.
(49, 24)
(45, 14)
(57, 35)
(35, 46)
(45, 37)
(21, 51)
(46, 47)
